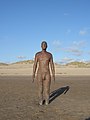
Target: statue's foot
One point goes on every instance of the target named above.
(47, 102)
(41, 103)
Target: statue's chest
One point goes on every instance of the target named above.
(44, 58)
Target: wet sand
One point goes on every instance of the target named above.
(69, 99)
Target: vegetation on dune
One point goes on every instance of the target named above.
(3, 64)
(74, 64)
(71, 64)
(78, 64)
(25, 62)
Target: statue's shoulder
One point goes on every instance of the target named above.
(38, 53)
(49, 54)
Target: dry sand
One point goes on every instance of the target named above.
(26, 69)
(19, 100)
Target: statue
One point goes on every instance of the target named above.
(45, 59)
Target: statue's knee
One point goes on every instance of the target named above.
(47, 91)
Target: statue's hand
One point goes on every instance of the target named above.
(33, 78)
(53, 78)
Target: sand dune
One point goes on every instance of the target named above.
(26, 69)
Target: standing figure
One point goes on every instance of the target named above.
(45, 59)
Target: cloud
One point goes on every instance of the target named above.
(66, 14)
(74, 51)
(83, 32)
(66, 60)
(76, 48)
(89, 52)
(68, 31)
(79, 44)
(56, 45)
(21, 57)
(78, 53)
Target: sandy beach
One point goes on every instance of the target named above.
(44, 42)
(69, 96)
(26, 70)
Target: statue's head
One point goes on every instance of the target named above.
(44, 45)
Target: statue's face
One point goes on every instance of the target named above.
(44, 45)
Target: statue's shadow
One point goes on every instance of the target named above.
(54, 94)
(87, 118)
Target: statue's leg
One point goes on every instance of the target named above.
(47, 83)
(40, 88)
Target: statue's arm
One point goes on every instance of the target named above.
(52, 67)
(35, 66)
